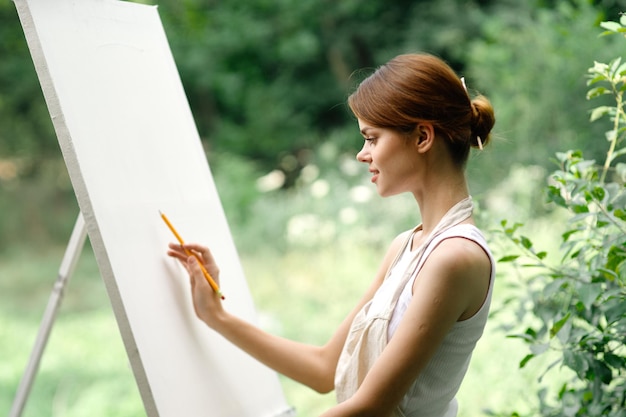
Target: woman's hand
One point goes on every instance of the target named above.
(206, 302)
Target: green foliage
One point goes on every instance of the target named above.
(576, 307)
(272, 77)
(85, 369)
(25, 126)
(329, 203)
(37, 209)
(529, 61)
(267, 82)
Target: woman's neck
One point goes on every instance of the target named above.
(439, 196)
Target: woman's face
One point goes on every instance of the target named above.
(392, 158)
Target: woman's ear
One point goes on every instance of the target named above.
(424, 136)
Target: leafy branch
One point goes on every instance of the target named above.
(580, 307)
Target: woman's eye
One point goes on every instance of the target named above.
(370, 140)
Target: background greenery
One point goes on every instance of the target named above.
(267, 82)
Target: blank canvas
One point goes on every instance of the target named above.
(131, 148)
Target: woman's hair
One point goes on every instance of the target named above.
(416, 88)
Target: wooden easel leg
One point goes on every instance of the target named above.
(68, 264)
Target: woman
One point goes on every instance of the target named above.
(406, 345)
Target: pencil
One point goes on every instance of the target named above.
(189, 253)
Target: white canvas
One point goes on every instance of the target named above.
(131, 148)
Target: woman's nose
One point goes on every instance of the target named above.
(363, 154)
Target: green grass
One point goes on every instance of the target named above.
(84, 367)
(303, 295)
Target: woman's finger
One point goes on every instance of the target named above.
(193, 250)
(194, 271)
(202, 251)
(205, 255)
(177, 252)
(205, 300)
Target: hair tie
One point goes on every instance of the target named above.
(480, 143)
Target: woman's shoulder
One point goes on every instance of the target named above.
(462, 260)
(460, 250)
(462, 245)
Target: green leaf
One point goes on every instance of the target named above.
(580, 208)
(599, 67)
(509, 258)
(562, 156)
(615, 313)
(612, 26)
(596, 79)
(524, 361)
(601, 223)
(558, 325)
(615, 361)
(616, 257)
(567, 235)
(620, 169)
(614, 67)
(598, 193)
(583, 165)
(621, 70)
(531, 332)
(575, 361)
(610, 135)
(608, 274)
(589, 293)
(596, 92)
(598, 112)
(509, 231)
(538, 349)
(524, 337)
(601, 371)
(555, 196)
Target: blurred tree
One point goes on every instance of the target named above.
(531, 62)
(267, 80)
(25, 126)
(270, 79)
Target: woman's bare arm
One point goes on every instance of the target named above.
(311, 365)
(452, 284)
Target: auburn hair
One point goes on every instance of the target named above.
(414, 88)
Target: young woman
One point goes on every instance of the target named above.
(405, 347)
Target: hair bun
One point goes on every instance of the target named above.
(483, 120)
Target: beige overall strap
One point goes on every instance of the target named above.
(368, 335)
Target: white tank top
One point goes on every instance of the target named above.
(432, 393)
(436, 386)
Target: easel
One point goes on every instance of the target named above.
(68, 265)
